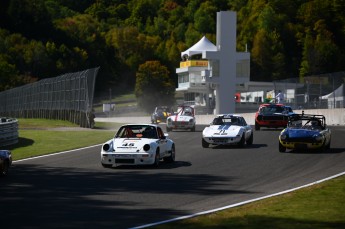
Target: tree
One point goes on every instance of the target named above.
(153, 86)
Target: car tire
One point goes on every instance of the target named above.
(107, 165)
(328, 146)
(5, 168)
(242, 141)
(257, 126)
(282, 149)
(204, 144)
(157, 159)
(169, 129)
(250, 140)
(171, 158)
(325, 147)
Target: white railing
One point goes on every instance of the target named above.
(8, 131)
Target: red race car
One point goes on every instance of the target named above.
(272, 116)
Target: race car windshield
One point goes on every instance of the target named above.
(137, 131)
(227, 121)
(272, 110)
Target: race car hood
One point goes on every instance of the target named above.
(221, 129)
(181, 118)
(296, 133)
(130, 144)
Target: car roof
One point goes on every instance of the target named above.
(140, 124)
(228, 115)
(272, 105)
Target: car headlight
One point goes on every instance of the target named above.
(106, 147)
(283, 136)
(147, 147)
(191, 120)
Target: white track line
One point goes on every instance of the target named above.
(237, 204)
(53, 154)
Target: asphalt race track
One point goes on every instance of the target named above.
(72, 190)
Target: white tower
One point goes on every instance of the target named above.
(223, 62)
(221, 67)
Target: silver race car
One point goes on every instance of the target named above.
(227, 129)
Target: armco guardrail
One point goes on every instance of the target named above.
(8, 131)
(334, 117)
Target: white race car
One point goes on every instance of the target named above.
(227, 129)
(138, 144)
(183, 119)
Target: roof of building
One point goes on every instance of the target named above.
(203, 45)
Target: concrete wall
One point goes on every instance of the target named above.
(333, 117)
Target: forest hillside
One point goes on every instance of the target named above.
(45, 38)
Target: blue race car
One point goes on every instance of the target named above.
(5, 162)
(305, 131)
(160, 114)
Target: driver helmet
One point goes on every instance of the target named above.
(314, 123)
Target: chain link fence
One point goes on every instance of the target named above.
(65, 97)
(325, 91)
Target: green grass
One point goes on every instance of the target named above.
(42, 136)
(319, 206)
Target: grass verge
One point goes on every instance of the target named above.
(40, 136)
(316, 207)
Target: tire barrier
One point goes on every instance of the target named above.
(8, 131)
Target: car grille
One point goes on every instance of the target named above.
(124, 161)
(222, 140)
(302, 139)
(179, 123)
(272, 117)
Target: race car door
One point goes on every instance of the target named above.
(162, 142)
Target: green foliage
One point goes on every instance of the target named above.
(153, 86)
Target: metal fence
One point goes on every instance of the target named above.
(65, 97)
(325, 91)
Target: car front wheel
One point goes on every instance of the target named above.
(157, 159)
(5, 168)
(282, 149)
(257, 126)
(250, 140)
(242, 141)
(204, 143)
(107, 165)
(171, 158)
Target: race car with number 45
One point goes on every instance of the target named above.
(304, 132)
(228, 129)
(138, 144)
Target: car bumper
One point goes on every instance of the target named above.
(273, 123)
(223, 140)
(302, 145)
(127, 159)
(181, 125)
